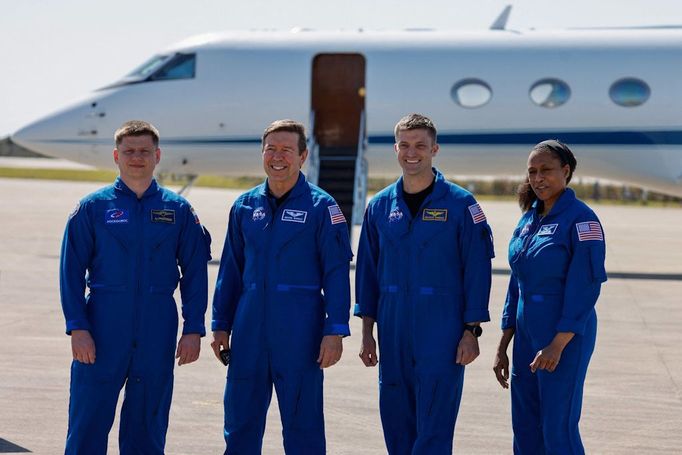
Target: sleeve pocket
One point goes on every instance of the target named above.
(597, 265)
(487, 233)
(207, 241)
(344, 245)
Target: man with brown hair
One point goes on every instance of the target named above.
(130, 243)
(283, 296)
(423, 275)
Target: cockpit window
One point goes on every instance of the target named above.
(143, 71)
(181, 66)
(160, 68)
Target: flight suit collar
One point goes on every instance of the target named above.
(565, 200)
(439, 188)
(297, 190)
(119, 185)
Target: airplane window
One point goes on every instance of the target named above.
(629, 92)
(550, 92)
(148, 67)
(181, 66)
(471, 93)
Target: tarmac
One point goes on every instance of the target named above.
(633, 394)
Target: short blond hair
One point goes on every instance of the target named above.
(136, 128)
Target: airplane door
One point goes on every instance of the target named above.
(338, 102)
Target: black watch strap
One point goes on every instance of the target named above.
(476, 330)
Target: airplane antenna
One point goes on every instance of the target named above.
(501, 21)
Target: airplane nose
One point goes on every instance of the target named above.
(51, 135)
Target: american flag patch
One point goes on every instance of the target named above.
(336, 214)
(477, 213)
(589, 230)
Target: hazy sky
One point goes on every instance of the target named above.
(53, 51)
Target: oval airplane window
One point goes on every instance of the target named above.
(471, 93)
(549, 92)
(629, 92)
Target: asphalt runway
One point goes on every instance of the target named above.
(633, 394)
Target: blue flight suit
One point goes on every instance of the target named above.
(131, 249)
(422, 279)
(557, 267)
(276, 262)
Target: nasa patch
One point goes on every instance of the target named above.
(294, 216)
(116, 216)
(258, 214)
(395, 215)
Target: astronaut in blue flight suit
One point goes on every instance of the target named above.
(125, 242)
(423, 275)
(556, 254)
(287, 241)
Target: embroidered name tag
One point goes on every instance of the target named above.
(116, 216)
(294, 216)
(435, 215)
(163, 216)
(547, 229)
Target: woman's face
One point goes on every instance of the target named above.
(547, 177)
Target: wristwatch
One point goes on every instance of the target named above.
(476, 330)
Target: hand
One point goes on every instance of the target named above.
(189, 347)
(368, 351)
(501, 368)
(221, 340)
(547, 358)
(82, 346)
(467, 350)
(331, 349)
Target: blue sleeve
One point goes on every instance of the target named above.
(194, 252)
(585, 275)
(510, 304)
(229, 284)
(335, 257)
(77, 248)
(476, 249)
(366, 278)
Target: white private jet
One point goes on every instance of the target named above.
(615, 96)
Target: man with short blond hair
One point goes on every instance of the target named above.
(130, 244)
(282, 299)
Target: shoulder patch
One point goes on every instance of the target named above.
(477, 213)
(335, 214)
(589, 230)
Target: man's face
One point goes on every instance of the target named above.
(136, 157)
(281, 158)
(415, 150)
